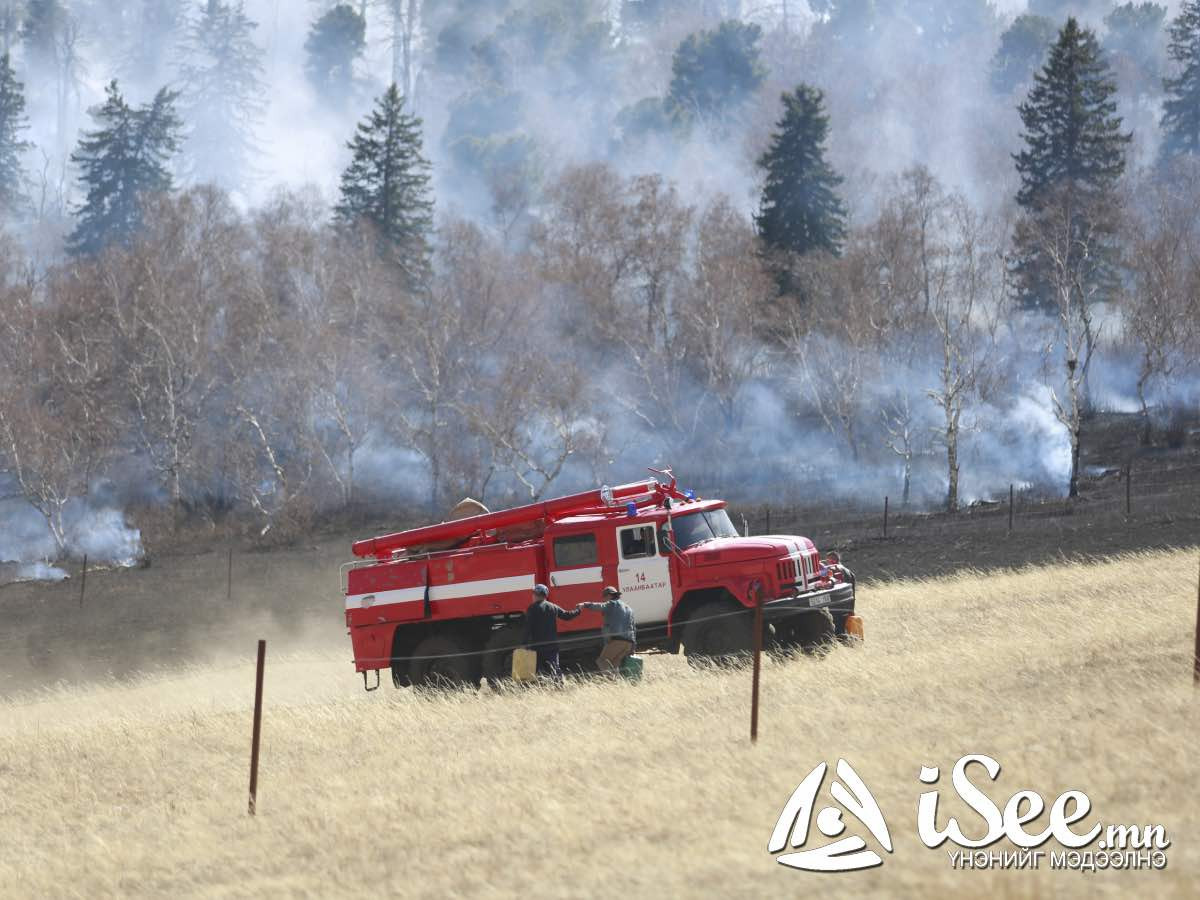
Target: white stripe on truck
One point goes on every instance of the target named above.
(452, 591)
(567, 577)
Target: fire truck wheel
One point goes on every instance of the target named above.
(498, 653)
(814, 631)
(718, 631)
(443, 660)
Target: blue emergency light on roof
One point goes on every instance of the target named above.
(691, 495)
(631, 509)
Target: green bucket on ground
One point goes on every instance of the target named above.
(631, 668)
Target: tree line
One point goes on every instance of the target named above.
(297, 358)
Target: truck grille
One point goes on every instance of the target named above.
(787, 570)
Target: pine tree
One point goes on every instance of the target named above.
(1133, 30)
(335, 41)
(712, 72)
(649, 15)
(1181, 109)
(10, 23)
(157, 27)
(1023, 46)
(122, 161)
(12, 123)
(387, 183)
(44, 20)
(221, 94)
(800, 210)
(1074, 154)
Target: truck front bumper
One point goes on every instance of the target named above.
(839, 600)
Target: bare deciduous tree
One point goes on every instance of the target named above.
(1162, 250)
(455, 337)
(1066, 241)
(965, 317)
(164, 300)
(901, 436)
(54, 426)
(718, 310)
(536, 417)
(341, 341)
(836, 338)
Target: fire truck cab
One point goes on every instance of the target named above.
(445, 603)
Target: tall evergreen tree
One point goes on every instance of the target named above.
(387, 183)
(10, 23)
(1181, 109)
(12, 123)
(1074, 153)
(649, 15)
(712, 72)
(157, 29)
(1132, 39)
(122, 161)
(335, 41)
(1133, 30)
(800, 210)
(44, 21)
(1023, 46)
(221, 94)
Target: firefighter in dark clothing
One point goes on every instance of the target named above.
(541, 630)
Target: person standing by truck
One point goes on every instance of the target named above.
(541, 630)
(619, 630)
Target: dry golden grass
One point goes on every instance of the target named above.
(1072, 676)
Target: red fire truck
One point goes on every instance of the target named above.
(445, 603)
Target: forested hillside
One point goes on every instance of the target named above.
(265, 262)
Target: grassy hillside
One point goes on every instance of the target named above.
(1072, 676)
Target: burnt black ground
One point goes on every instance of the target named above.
(1163, 494)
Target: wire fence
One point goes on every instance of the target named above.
(1163, 491)
(1128, 497)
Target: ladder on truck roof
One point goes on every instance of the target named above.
(382, 547)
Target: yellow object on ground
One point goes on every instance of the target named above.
(854, 626)
(524, 664)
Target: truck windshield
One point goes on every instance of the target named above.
(692, 528)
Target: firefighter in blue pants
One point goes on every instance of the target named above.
(541, 630)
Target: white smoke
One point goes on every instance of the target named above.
(40, 571)
(103, 536)
(100, 534)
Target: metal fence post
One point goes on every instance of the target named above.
(756, 594)
(258, 685)
(1128, 488)
(1196, 654)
